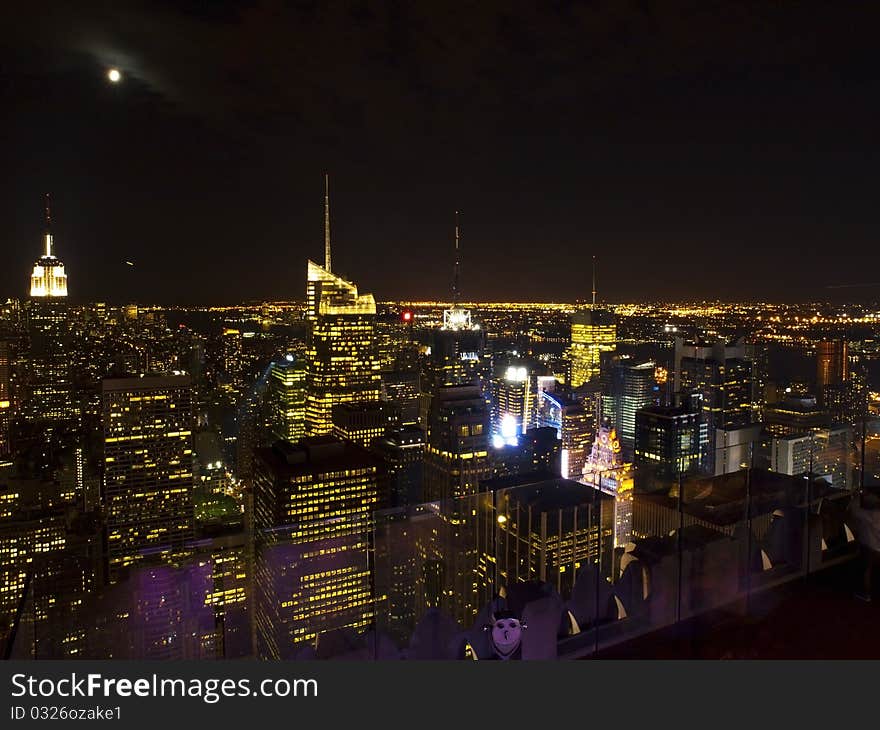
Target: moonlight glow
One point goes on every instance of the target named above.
(114, 75)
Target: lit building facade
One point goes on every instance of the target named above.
(6, 409)
(148, 468)
(716, 379)
(795, 415)
(49, 391)
(403, 451)
(403, 388)
(513, 404)
(606, 470)
(340, 348)
(825, 453)
(832, 363)
(459, 352)
(313, 507)
(593, 331)
(287, 399)
(365, 421)
(548, 529)
(629, 387)
(575, 425)
(671, 443)
(48, 278)
(457, 451)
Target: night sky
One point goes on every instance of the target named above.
(701, 149)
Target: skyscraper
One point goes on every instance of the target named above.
(365, 421)
(575, 425)
(459, 354)
(49, 397)
(630, 386)
(402, 387)
(841, 383)
(832, 363)
(5, 398)
(593, 331)
(513, 404)
(341, 361)
(670, 443)
(403, 452)
(148, 471)
(287, 399)
(548, 529)
(716, 379)
(313, 506)
(457, 452)
(823, 453)
(48, 279)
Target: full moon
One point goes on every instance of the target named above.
(114, 75)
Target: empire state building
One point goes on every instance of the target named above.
(49, 389)
(48, 279)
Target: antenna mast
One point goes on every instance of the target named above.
(594, 281)
(48, 226)
(456, 275)
(327, 261)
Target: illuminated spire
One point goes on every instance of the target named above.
(456, 275)
(48, 278)
(594, 281)
(327, 261)
(48, 227)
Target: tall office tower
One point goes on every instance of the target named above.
(824, 453)
(403, 452)
(50, 559)
(459, 353)
(48, 279)
(575, 425)
(148, 472)
(50, 396)
(456, 576)
(365, 421)
(841, 384)
(5, 398)
(31, 529)
(402, 387)
(671, 443)
(548, 529)
(593, 331)
(832, 363)
(226, 557)
(341, 363)
(717, 379)
(393, 341)
(513, 404)
(457, 452)
(287, 399)
(230, 359)
(313, 507)
(629, 386)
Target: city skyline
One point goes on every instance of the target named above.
(598, 300)
(438, 332)
(559, 135)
